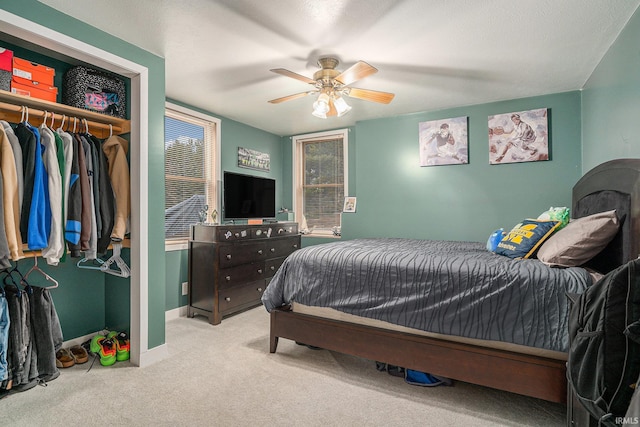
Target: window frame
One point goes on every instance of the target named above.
(298, 172)
(181, 243)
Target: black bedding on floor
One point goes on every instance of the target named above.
(446, 287)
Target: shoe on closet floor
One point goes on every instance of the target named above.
(121, 340)
(64, 359)
(79, 354)
(107, 351)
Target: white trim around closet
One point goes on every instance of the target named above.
(35, 33)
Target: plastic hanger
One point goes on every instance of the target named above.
(123, 269)
(100, 262)
(13, 282)
(39, 270)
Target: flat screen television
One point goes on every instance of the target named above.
(247, 196)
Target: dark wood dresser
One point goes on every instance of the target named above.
(230, 265)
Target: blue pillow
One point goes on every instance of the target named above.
(525, 238)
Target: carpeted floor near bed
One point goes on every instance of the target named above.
(225, 376)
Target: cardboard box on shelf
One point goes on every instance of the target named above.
(31, 71)
(34, 89)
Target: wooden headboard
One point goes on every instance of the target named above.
(612, 185)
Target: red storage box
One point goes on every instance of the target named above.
(31, 71)
(6, 59)
(34, 89)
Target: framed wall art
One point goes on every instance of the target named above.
(444, 142)
(517, 137)
(252, 159)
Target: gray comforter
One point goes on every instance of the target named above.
(453, 288)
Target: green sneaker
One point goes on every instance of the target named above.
(123, 346)
(94, 346)
(107, 352)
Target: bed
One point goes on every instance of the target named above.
(466, 314)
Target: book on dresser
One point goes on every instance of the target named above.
(231, 265)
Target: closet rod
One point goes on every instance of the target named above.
(33, 112)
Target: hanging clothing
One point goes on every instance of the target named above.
(40, 213)
(27, 141)
(55, 245)
(61, 169)
(106, 198)
(4, 338)
(67, 144)
(115, 148)
(46, 332)
(17, 156)
(92, 251)
(5, 255)
(73, 225)
(10, 198)
(81, 200)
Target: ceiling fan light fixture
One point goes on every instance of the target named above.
(321, 106)
(341, 106)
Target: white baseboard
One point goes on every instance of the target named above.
(175, 313)
(154, 355)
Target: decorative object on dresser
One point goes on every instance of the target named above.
(231, 265)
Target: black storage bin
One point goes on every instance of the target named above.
(94, 90)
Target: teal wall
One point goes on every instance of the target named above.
(397, 197)
(86, 301)
(611, 102)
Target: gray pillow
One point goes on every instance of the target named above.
(581, 239)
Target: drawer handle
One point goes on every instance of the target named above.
(228, 256)
(227, 278)
(259, 289)
(259, 271)
(260, 252)
(272, 249)
(227, 299)
(273, 267)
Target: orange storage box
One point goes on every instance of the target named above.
(34, 89)
(6, 59)
(31, 71)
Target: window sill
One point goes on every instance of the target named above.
(176, 245)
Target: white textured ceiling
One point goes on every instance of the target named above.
(433, 54)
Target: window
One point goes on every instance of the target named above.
(320, 180)
(190, 157)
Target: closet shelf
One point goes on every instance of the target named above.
(11, 110)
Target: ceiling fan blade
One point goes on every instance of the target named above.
(370, 95)
(293, 75)
(357, 71)
(290, 97)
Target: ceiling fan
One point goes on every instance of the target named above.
(331, 84)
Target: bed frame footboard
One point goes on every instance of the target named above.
(528, 375)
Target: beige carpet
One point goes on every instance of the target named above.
(225, 376)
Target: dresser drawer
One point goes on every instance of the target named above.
(242, 253)
(282, 247)
(234, 297)
(241, 274)
(272, 265)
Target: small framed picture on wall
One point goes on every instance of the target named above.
(349, 204)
